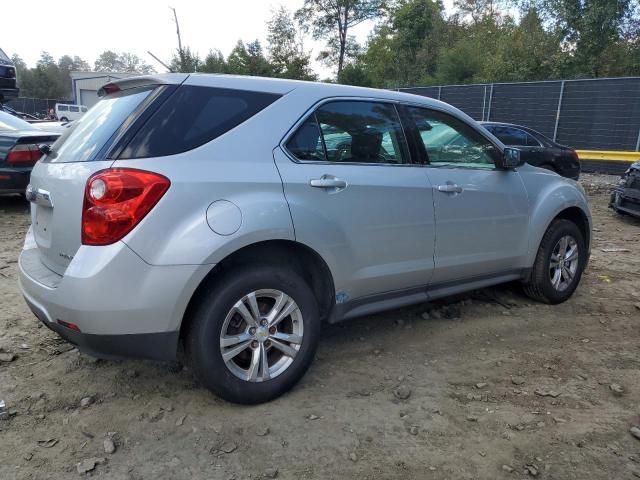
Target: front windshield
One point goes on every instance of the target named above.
(9, 122)
(3, 56)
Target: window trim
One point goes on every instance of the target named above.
(312, 111)
(423, 151)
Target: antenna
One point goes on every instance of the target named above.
(161, 62)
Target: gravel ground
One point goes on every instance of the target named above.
(487, 385)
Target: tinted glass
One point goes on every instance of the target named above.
(95, 128)
(511, 136)
(193, 116)
(306, 144)
(449, 141)
(74, 109)
(63, 108)
(353, 132)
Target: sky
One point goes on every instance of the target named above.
(87, 28)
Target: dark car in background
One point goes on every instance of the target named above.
(536, 149)
(8, 85)
(625, 197)
(20, 144)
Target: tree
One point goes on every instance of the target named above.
(248, 60)
(355, 74)
(214, 62)
(333, 19)
(110, 61)
(404, 50)
(286, 51)
(527, 51)
(594, 34)
(185, 61)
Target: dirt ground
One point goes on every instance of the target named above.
(499, 387)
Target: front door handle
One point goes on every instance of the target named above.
(450, 188)
(328, 182)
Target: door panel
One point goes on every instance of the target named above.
(376, 234)
(481, 212)
(481, 230)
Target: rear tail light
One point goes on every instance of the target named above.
(115, 200)
(24, 155)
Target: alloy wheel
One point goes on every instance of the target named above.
(261, 335)
(563, 264)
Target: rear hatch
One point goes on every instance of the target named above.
(58, 181)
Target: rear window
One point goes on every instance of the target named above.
(193, 116)
(89, 135)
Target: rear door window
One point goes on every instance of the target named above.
(193, 116)
(90, 134)
(352, 132)
(74, 109)
(63, 108)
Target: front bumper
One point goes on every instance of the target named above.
(122, 306)
(626, 200)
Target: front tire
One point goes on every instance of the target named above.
(559, 263)
(254, 334)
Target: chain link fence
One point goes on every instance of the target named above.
(595, 114)
(35, 106)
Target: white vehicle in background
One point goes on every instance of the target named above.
(68, 113)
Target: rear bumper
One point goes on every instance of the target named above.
(154, 346)
(14, 181)
(122, 306)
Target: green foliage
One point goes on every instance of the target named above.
(286, 51)
(419, 45)
(248, 60)
(49, 79)
(109, 61)
(331, 20)
(414, 42)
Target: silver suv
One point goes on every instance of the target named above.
(232, 216)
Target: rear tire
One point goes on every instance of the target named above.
(559, 263)
(227, 313)
(64, 119)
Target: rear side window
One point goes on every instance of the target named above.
(63, 108)
(74, 109)
(193, 116)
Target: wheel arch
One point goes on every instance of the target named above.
(302, 258)
(573, 212)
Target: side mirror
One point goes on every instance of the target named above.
(510, 158)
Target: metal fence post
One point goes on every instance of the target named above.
(484, 101)
(638, 142)
(555, 128)
(439, 92)
(490, 99)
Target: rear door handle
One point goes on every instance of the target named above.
(450, 188)
(328, 182)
